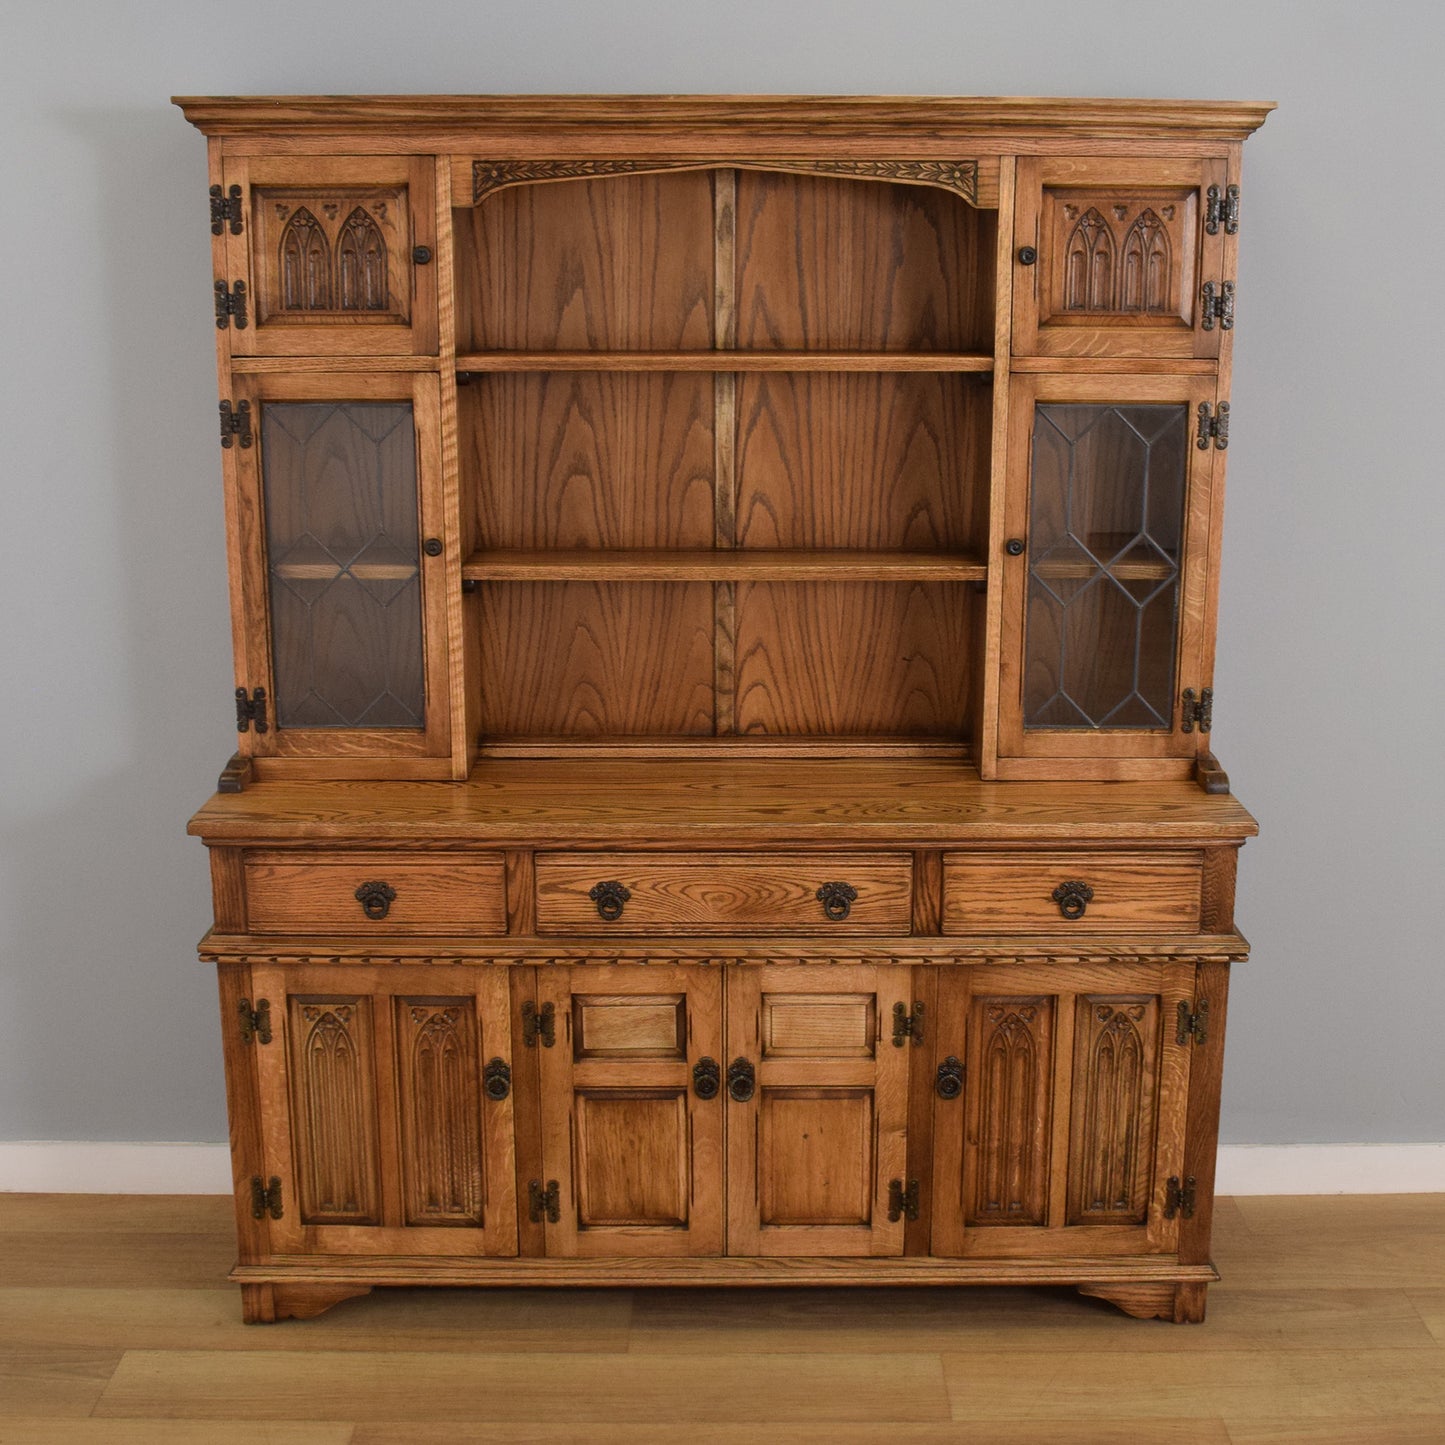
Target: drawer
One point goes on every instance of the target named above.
(1087, 892)
(376, 893)
(724, 892)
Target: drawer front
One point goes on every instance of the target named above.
(724, 892)
(1088, 892)
(375, 893)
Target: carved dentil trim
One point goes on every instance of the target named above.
(591, 957)
(960, 177)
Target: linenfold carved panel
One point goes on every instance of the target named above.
(437, 1073)
(1114, 1108)
(1010, 1125)
(333, 1101)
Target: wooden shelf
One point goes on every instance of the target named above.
(1122, 571)
(361, 571)
(485, 361)
(722, 566)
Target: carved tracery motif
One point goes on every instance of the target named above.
(1089, 280)
(443, 1164)
(334, 1099)
(1144, 282)
(305, 264)
(1008, 1169)
(361, 264)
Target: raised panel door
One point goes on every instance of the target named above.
(817, 1109)
(386, 1107)
(1112, 257)
(1070, 1119)
(632, 1134)
(336, 255)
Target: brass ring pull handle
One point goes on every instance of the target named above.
(837, 899)
(949, 1082)
(376, 899)
(706, 1079)
(742, 1081)
(497, 1079)
(609, 898)
(1073, 898)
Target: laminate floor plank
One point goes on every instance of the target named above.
(467, 1321)
(996, 1432)
(1429, 1304)
(127, 1260)
(39, 1431)
(118, 1213)
(1253, 1384)
(503, 1389)
(878, 1321)
(1374, 1430)
(56, 1380)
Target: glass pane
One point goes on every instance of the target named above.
(344, 562)
(1106, 525)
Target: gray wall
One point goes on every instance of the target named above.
(114, 715)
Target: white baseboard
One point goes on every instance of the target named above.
(42, 1167)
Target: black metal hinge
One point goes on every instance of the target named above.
(544, 1203)
(1179, 1198)
(1218, 305)
(902, 1202)
(225, 206)
(265, 1199)
(1196, 710)
(251, 710)
(539, 1023)
(1193, 1024)
(906, 1024)
(255, 1022)
(1221, 208)
(230, 305)
(1212, 427)
(236, 424)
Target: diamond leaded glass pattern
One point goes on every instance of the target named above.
(1106, 522)
(343, 559)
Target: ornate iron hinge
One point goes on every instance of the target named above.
(902, 1202)
(539, 1023)
(251, 710)
(1196, 710)
(906, 1024)
(265, 1199)
(1221, 208)
(230, 304)
(1179, 1198)
(236, 424)
(255, 1022)
(544, 1203)
(1218, 305)
(225, 206)
(1212, 427)
(1193, 1025)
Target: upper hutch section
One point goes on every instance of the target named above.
(667, 425)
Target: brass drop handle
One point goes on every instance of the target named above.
(1073, 898)
(949, 1082)
(706, 1078)
(497, 1079)
(837, 899)
(376, 899)
(609, 897)
(742, 1080)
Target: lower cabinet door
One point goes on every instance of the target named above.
(817, 1109)
(1070, 1121)
(386, 1107)
(632, 1111)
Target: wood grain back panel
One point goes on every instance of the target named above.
(623, 263)
(577, 659)
(856, 658)
(865, 460)
(589, 459)
(843, 265)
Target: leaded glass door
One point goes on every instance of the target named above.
(1111, 495)
(344, 597)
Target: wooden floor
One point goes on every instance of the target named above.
(116, 1326)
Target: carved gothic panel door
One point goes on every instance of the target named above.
(386, 1108)
(1070, 1121)
(632, 1111)
(1123, 257)
(817, 1109)
(335, 256)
